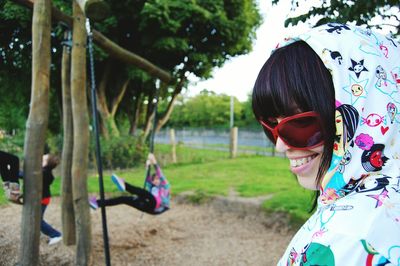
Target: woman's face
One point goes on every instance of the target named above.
(303, 163)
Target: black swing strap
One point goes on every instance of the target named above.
(152, 134)
(97, 140)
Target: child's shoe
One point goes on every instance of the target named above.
(119, 182)
(55, 240)
(93, 203)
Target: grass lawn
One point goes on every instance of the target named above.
(212, 173)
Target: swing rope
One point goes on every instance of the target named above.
(152, 135)
(97, 140)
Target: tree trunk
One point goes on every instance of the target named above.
(148, 125)
(102, 99)
(134, 120)
(164, 119)
(150, 115)
(94, 9)
(81, 138)
(35, 133)
(67, 206)
(107, 115)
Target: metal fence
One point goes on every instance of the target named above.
(249, 141)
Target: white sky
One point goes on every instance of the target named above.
(238, 75)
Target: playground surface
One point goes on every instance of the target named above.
(224, 231)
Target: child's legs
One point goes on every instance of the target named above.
(141, 192)
(47, 229)
(9, 167)
(146, 204)
(114, 201)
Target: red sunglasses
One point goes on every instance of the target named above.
(301, 131)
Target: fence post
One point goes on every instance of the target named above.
(173, 143)
(233, 142)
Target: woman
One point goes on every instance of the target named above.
(154, 199)
(322, 99)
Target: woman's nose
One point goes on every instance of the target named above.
(280, 146)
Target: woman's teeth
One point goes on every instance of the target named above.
(300, 162)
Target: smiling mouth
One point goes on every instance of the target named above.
(301, 161)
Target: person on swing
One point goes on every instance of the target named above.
(153, 199)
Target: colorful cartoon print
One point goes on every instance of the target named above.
(336, 28)
(373, 120)
(317, 254)
(373, 159)
(357, 67)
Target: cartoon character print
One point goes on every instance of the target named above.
(374, 159)
(395, 73)
(346, 120)
(345, 161)
(380, 198)
(380, 73)
(364, 141)
(357, 67)
(373, 257)
(384, 49)
(335, 55)
(391, 112)
(293, 255)
(367, 184)
(336, 28)
(317, 254)
(373, 120)
(357, 89)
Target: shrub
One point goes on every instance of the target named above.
(121, 152)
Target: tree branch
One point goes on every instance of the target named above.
(113, 49)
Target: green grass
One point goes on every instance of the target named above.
(211, 173)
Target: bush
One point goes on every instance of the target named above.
(121, 152)
(13, 144)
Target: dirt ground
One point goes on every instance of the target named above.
(225, 231)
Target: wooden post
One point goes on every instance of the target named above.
(94, 9)
(81, 138)
(173, 143)
(67, 206)
(36, 126)
(233, 142)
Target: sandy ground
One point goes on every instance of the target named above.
(225, 231)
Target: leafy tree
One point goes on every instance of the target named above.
(360, 12)
(206, 109)
(181, 36)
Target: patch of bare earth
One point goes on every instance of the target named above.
(225, 231)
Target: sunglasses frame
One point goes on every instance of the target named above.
(275, 133)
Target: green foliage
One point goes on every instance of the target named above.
(121, 152)
(13, 144)
(211, 110)
(360, 12)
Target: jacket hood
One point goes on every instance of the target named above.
(365, 68)
(359, 205)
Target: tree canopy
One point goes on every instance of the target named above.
(183, 37)
(343, 11)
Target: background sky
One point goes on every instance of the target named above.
(238, 75)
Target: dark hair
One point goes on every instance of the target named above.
(295, 79)
(52, 161)
(350, 120)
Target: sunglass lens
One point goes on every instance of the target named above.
(301, 132)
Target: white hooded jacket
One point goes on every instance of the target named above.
(357, 221)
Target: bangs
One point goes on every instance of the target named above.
(287, 83)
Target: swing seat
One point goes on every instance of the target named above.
(13, 192)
